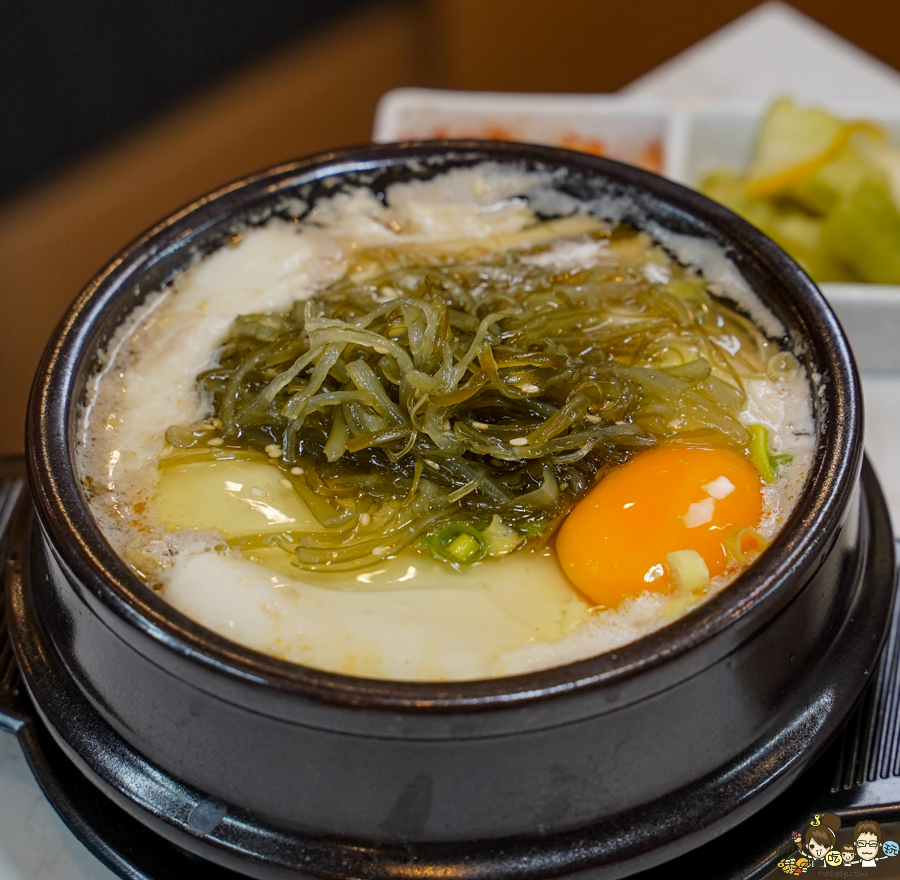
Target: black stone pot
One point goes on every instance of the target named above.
(601, 767)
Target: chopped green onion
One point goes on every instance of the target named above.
(457, 542)
(688, 570)
(767, 464)
(463, 548)
(735, 540)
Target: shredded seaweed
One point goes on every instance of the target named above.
(429, 390)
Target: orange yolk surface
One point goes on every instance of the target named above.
(615, 541)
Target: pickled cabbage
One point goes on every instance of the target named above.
(824, 189)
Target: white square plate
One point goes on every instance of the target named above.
(632, 131)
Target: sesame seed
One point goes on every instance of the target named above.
(364, 519)
(273, 450)
(518, 441)
(480, 425)
(446, 424)
(287, 484)
(297, 471)
(381, 551)
(215, 441)
(530, 388)
(593, 419)
(432, 464)
(217, 423)
(255, 490)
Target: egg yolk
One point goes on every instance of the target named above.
(615, 542)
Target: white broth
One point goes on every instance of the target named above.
(205, 525)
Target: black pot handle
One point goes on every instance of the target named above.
(867, 774)
(13, 713)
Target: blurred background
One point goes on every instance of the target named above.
(114, 114)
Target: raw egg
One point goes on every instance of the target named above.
(664, 507)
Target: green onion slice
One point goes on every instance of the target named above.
(457, 542)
